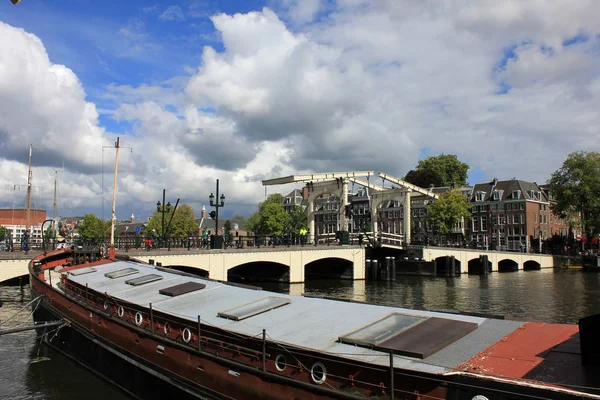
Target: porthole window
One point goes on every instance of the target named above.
(280, 362)
(106, 305)
(167, 328)
(139, 318)
(120, 311)
(187, 335)
(318, 373)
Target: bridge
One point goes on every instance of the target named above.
(291, 265)
(336, 184)
(283, 264)
(470, 261)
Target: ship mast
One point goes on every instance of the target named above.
(28, 214)
(114, 203)
(54, 205)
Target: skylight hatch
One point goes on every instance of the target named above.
(142, 280)
(121, 273)
(409, 335)
(256, 307)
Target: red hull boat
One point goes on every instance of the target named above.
(153, 330)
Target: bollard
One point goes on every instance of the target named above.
(151, 261)
(375, 266)
(452, 264)
(386, 269)
(393, 269)
(368, 272)
(159, 264)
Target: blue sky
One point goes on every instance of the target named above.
(123, 42)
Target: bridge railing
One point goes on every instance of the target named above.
(199, 242)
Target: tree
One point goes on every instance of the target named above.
(423, 177)
(575, 188)
(446, 212)
(271, 218)
(93, 228)
(449, 169)
(228, 236)
(3, 233)
(182, 224)
(298, 219)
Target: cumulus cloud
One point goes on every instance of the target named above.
(44, 104)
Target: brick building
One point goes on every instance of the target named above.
(15, 220)
(512, 215)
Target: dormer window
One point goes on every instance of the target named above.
(496, 195)
(516, 194)
(480, 196)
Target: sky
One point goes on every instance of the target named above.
(241, 91)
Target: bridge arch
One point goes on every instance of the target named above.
(477, 266)
(259, 271)
(531, 265)
(444, 266)
(330, 267)
(190, 270)
(508, 265)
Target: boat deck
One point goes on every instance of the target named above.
(310, 323)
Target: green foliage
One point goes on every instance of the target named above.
(49, 233)
(575, 188)
(3, 233)
(227, 235)
(93, 228)
(298, 219)
(272, 219)
(442, 170)
(448, 210)
(182, 224)
(423, 177)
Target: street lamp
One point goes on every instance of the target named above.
(163, 208)
(217, 205)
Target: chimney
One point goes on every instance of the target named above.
(203, 212)
(132, 220)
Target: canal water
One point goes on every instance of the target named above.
(28, 371)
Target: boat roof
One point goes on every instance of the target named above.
(311, 323)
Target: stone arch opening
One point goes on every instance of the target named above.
(508, 265)
(259, 271)
(329, 268)
(477, 266)
(447, 266)
(189, 270)
(531, 265)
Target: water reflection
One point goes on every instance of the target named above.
(559, 296)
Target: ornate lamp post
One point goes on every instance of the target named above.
(162, 208)
(217, 204)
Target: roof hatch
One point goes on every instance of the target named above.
(142, 280)
(121, 273)
(409, 335)
(182, 288)
(256, 307)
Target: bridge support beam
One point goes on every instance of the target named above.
(406, 221)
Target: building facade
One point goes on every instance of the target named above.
(512, 215)
(15, 220)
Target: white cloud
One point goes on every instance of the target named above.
(44, 104)
(172, 13)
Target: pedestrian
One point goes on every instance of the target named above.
(25, 242)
